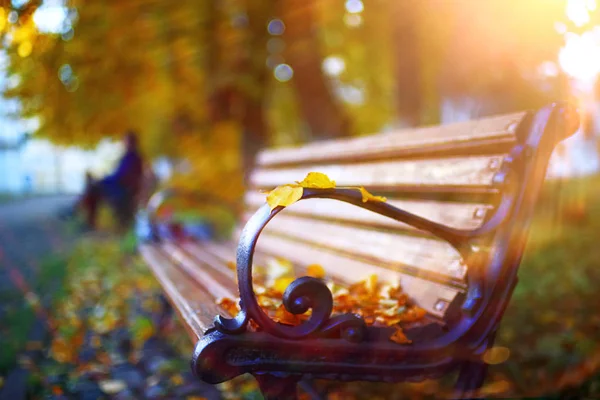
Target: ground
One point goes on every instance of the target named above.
(61, 335)
(29, 232)
(549, 336)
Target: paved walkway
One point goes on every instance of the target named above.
(29, 231)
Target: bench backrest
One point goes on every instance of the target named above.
(448, 174)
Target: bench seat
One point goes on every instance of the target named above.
(203, 269)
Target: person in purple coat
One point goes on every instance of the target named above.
(119, 189)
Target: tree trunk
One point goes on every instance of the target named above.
(323, 114)
(406, 60)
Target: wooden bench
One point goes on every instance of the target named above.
(452, 234)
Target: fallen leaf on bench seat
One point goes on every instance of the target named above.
(229, 305)
(377, 303)
(283, 316)
(316, 271)
(317, 180)
(282, 283)
(399, 336)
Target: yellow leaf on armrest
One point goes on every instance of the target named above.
(366, 196)
(317, 180)
(284, 196)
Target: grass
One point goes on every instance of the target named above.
(19, 314)
(552, 326)
(15, 324)
(17, 306)
(6, 198)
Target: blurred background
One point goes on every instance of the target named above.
(206, 84)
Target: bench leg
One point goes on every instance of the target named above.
(470, 378)
(278, 388)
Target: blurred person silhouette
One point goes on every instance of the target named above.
(120, 190)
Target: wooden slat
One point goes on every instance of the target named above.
(456, 215)
(217, 283)
(420, 256)
(216, 262)
(431, 296)
(464, 135)
(226, 249)
(225, 252)
(194, 305)
(446, 174)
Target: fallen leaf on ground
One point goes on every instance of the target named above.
(496, 355)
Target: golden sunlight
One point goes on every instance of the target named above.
(580, 56)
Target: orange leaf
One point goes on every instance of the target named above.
(399, 336)
(316, 271)
(285, 317)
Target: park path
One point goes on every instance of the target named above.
(29, 231)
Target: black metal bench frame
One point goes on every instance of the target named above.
(342, 347)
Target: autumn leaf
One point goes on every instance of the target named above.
(371, 284)
(229, 305)
(177, 380)
(399, 337)
(142, 329)
(317, 180)
(283, 196)
(316, 271)
(61, 351)
(287, 195)
(496, 355)
(279, 267)
(285, 317)
(366, 196)
(495, 388)
(282, 283)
